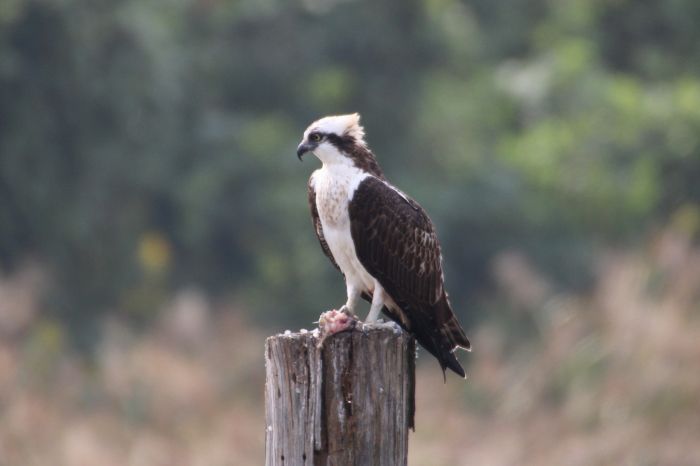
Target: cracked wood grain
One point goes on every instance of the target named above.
(350, 402)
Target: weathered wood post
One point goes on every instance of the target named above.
(351, 402)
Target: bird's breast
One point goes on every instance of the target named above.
(334, 191)
(332, 201)
(335, 187)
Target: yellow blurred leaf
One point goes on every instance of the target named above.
(155, 252)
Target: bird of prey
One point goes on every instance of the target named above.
(379, 238)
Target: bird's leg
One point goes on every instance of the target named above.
(353, 297)
(378, 298)
(376, 307)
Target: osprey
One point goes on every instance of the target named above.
(379, 238)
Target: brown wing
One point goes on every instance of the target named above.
(317, 224)
(397, 244)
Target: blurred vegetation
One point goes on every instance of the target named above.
(152, 209)
(148, 145)
(610, 379)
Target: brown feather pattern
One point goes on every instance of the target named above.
(397, 244)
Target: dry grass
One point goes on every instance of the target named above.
(609, 379)
(185, 394)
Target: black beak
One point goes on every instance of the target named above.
(304, 148)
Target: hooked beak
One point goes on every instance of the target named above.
(305, 147)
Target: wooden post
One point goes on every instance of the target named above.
(351, 402)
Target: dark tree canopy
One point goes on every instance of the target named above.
(149, 145)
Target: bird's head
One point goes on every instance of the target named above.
(332, 138)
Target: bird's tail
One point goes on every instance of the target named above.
(442, 342)
(455, 335)
(452, 336)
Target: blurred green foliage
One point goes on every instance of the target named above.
(146, 145)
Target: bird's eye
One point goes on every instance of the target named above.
(316, 137)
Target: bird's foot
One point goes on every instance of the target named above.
(380, 325)
(346, 310)
(335, 321)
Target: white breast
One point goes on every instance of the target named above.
(335, 187)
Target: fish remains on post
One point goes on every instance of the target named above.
(380, 239)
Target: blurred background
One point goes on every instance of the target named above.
(154, 224)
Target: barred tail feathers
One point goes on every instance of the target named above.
(454, 333)
(453, 337)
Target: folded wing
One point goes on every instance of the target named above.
(397, 244)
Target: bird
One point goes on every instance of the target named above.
(381, 240)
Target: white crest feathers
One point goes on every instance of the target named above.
(340, 125)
